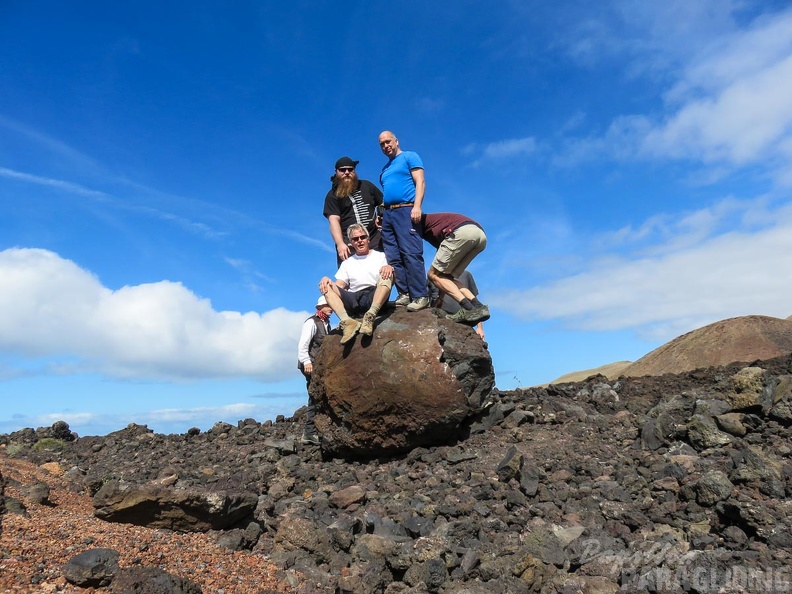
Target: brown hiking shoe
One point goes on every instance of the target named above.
(367, 327)
(350, 327)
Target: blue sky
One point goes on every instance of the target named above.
(163, 167)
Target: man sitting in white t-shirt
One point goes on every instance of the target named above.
(362, 286)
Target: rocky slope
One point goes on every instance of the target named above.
(674, 483)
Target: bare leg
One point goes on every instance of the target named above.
(448, 285)
(334, 301)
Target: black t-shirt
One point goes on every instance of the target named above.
(360, 207)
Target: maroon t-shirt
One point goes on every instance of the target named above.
(438, 225)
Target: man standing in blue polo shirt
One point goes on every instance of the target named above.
(403, 186)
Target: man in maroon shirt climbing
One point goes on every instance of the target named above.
(458, 240)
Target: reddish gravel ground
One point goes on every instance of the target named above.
(34, 549)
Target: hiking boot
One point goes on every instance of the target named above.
(310, 439)
(471, 317)
(478, 314)
(367, 326)
(402, 300)
(418, 304)
(350, 327)
(458, 316)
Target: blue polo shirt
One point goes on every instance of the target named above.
(396, 179)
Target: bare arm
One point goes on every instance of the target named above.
(338, 237)
(420, 190)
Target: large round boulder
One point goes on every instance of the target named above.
(415, 382)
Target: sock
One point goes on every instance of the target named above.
(465, 303)
(342, 315)
(374, 309)
(476, 302)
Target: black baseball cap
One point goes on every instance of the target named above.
(346, 162)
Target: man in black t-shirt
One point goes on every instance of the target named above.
(351, 200)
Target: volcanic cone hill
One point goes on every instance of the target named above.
(741, 339)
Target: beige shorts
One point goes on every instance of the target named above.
(458, 249)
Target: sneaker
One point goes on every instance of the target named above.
(367, 326)
(418, 304)
(402, 300)
(310, 439)
(350, 327)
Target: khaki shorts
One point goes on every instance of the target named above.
(458, 249)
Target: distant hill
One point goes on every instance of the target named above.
(611, 371)
(741, 339)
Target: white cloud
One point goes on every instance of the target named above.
(689, 279)
(664, 233)
(742, 123)
(735, 54)
(52, 308)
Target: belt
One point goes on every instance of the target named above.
(400, 205)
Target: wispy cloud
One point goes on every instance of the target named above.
(250, 273)
(109, 200)
(195, 216)
(500, 150)
(696, 274)
(429, 104)
(57, 184)
(231, 219)
(724, 105)
(167, 420)
(651, 38)
(59, 149)
(51, 307)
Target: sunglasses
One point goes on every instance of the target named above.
(358, 238)
(346, 169)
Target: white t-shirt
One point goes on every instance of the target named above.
(362, 272)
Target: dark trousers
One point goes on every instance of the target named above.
(402, 242)
(310, 427)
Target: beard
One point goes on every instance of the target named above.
(346, 186)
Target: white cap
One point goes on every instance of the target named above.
(321, 302)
